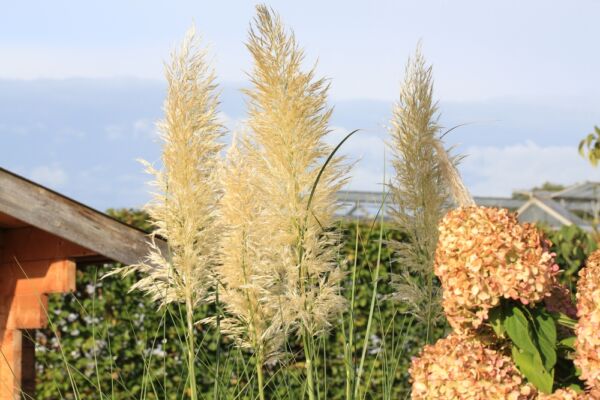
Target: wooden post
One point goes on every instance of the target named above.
(10, 344)
(28, 363)
(10, 367)
(36, 269)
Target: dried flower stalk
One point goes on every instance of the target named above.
(419, 191)
(184, 208)
(288, 117)
(294, 282)
(255, 318)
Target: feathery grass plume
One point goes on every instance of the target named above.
(184, 209)
(419, 191)
(288, 118)
(253, 318)
(447, 165)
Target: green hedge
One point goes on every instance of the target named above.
(572, 246)
(118, 343)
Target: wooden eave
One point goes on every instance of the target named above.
(26, 203)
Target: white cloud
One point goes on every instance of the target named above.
(141, 128)
(33, 61)
(367, 150)
(497, 171)
(114, 132)
(144, 127)
(230, 123)
(49, 175)
(487, 170)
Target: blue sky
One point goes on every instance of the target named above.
(81, 83)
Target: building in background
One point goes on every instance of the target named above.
(578, 204)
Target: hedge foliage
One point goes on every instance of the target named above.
(117, 343)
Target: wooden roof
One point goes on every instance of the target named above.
(545, 209)
(25, 203)
(43, 237)
(589, 191)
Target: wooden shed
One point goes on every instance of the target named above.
(44, 237)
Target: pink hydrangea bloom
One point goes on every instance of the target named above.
(484, 255)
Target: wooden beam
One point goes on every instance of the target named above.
(10, 347)
(24, 305)
(6, 221)
(28, 312)
(10, 367)
(31, 244)
(68, 219)
(32, 281)
(28, 364)
(45, 276)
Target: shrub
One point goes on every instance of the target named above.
(503, 300)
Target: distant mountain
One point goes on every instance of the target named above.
(82, 136)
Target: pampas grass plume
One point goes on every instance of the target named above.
(183, 210)
(420, 190)
(288, 117)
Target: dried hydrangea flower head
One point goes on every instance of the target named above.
(461, 367)
(587, 345)
(483, 255)
(566, 394)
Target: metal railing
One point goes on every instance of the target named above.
(364, 204)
